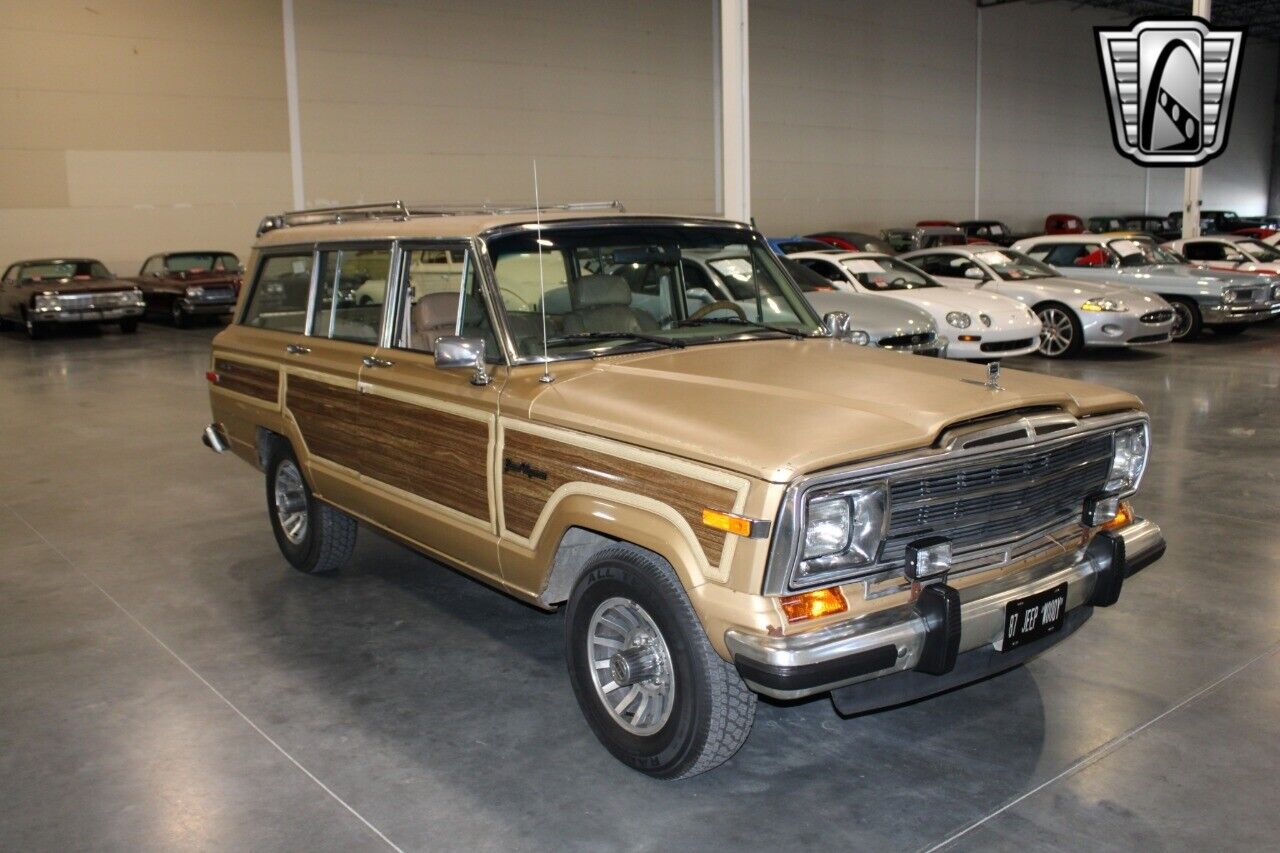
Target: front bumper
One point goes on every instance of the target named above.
(896, 641)
(1113, 329)
(1249, 312)
(193, 307)
(999, 345)
(105, 315)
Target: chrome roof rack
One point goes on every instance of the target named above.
(398, 210)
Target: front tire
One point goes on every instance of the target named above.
(179, 317)
(35, 331)
(1061, 335)
(1187, 322)
(653, 690)
(314, 537)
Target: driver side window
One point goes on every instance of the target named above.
(442, 297)
(1204, 250)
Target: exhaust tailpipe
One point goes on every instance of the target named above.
(214, 439)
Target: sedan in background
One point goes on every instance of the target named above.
(42, 294)
(790, 245)
(1075, 313)
(988, 231)
(1063, 223)
(1156, 226)
(854, 241)
(980, 325)
(1226, 302)
(1229, 252)
(887, 324)
(184, 285)
(923, 237)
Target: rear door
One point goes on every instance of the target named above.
(429, 434)
(322, 385)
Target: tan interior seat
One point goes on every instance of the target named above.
(602, 303)
(433, 316)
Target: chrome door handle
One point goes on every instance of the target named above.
(297, 349)
(374, 361)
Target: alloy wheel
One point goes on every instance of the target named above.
(1182, 321)
(630, 666)
(291, 501)
(1056, 332)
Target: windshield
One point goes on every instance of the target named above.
(622, 287)
(881, 274)
(202, 262)
(1140, 253)
(1258, 250)
(1014, 266)
(60, 270)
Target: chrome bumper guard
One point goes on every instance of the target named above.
(88, 315)
(931, 645)
(1247, 313)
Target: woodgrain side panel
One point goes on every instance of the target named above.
(437, 455)
(524, 496)
(248, 379)
(328, 417)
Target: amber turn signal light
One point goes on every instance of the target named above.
(1123, 516)
(739, 525)
(813, 605)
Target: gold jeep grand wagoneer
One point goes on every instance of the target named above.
(728, 497)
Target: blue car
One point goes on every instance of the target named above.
(796, 243)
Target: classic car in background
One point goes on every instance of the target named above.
(923, 237)
(41, 294)
(1229, 252)
(1226, 302)
(979, 325)
(1156, 226)
(854, 241)
(1220, 221)
(793, 244)
(1075, 313)
(988, 231)
(184, 285)
(887, 323)
(1063, 223)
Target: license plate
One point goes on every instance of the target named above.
(1028, 619)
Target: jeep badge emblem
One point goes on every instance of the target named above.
(1170, 85)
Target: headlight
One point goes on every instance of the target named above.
(1275, 291)
(1230, 295)
(45, 301)
(985, 320)
(842, 531)
(195, 290)
(959, 319)
(1128, 460)
(1114, 305)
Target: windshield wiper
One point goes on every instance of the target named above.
(584, 337)
(730, 321)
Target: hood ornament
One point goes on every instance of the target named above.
(993, 376)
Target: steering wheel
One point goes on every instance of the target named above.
(718, 305)
(522, 304)
(897, 281)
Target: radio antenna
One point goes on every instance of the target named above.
(542, 284)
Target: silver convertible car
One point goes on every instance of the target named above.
(1221, 300)
(1074, 313)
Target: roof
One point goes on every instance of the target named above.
(447, 226)
(196, 252)
(67, 260)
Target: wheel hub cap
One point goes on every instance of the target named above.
(630, 666)
(290, 500)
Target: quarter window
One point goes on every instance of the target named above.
(1204, 250)
(350, 294)
(279, 298)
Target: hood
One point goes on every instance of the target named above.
(878, 317)
(1189, 274)
(774, 409)
(79, 285)
(1073, 291)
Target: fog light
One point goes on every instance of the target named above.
(814, 604)
(928, 557)
(1100, 509)
(1112, 330)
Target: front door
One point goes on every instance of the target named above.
(322, 388)
(428, 433)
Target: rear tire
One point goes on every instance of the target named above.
(693, 712)
(1061, 334)
(314, 537)
(1187, 322)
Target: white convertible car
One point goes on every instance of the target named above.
(980, 325)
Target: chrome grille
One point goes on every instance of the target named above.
(982, 505)
(1248, 294)
(216, 294)
(94, 301)
(906, 340)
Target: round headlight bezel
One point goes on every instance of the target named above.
(959, 319)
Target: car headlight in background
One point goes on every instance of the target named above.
(1230, 296)
(842, 531)
(45, 301)
(1114, 305)
(1128, 460)
(1275, 291)
(986, 320)
(959, 319)
(195, 290)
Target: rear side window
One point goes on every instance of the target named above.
(1204, 251)
(279, 297)
(350, 294)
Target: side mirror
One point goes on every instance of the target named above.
(454, 352)
(837, 325)
(975, 274)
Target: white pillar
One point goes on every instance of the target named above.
(291, 97)
(717, 117)
(1192, 179)
(735, 112)
(977, 124)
